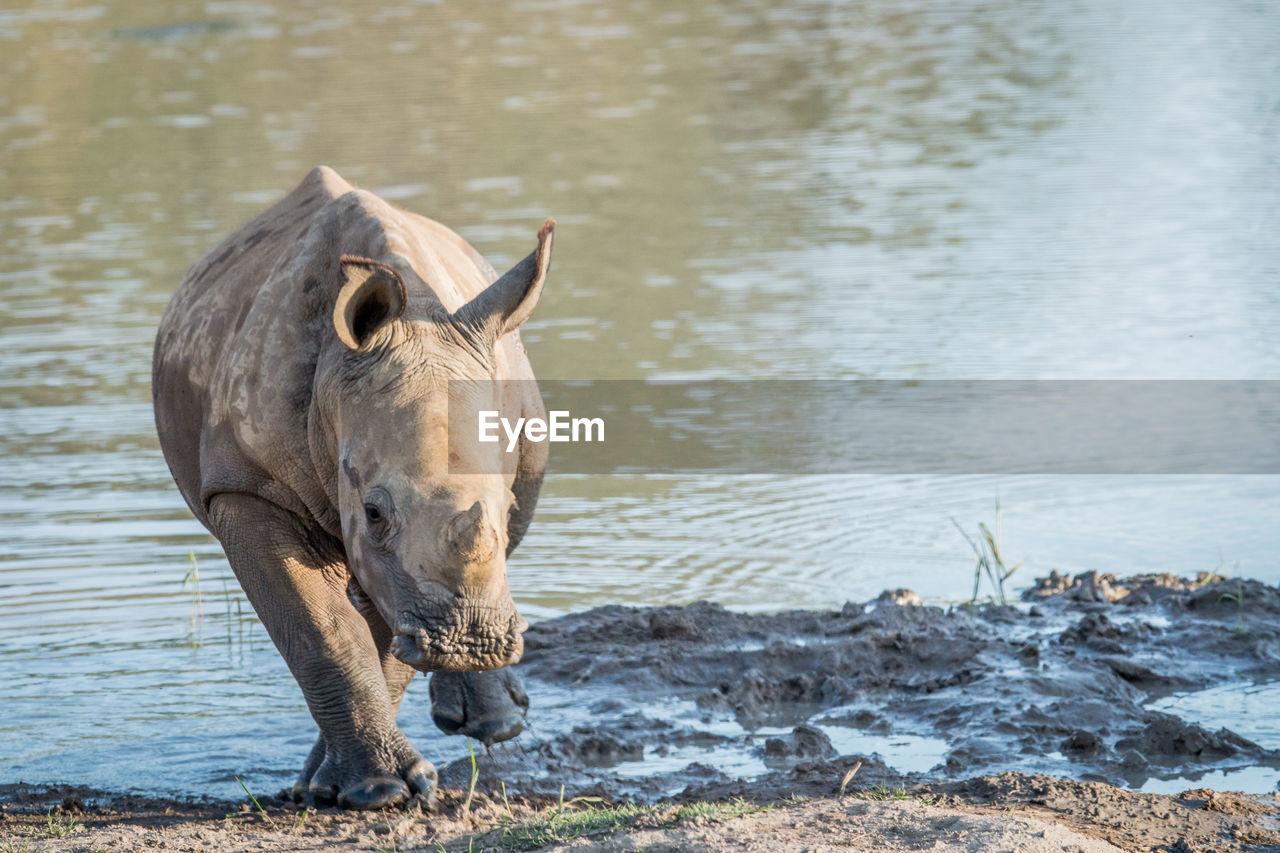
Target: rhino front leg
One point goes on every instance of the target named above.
(396, 674)
(296, 580)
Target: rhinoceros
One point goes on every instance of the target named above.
(303, 375)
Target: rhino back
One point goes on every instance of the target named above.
(206, 312)
(236, 356)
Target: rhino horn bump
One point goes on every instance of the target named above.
(471, 533)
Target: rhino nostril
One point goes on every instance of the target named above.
(405, 648)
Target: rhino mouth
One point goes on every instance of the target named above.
(466, 639)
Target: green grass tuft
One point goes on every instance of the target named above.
(566, 824)
(715, 811)
(987, 558)
(884, 792)
(586, 816)
(59, 825)
(261, 810)
(19, 845)
(475, 774)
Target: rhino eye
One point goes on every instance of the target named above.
(377, 513)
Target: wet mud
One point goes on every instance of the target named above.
(702, 702)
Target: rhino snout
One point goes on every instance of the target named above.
(468, 639)
(487, 706)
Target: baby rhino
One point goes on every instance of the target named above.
(303, 379)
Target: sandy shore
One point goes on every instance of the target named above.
(1008, 811)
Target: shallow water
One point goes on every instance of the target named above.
(1248, 709)
(1238, 702)
(885, 190)
(1250, 780)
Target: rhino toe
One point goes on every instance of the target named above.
(422, 778)
(354, 779)
(376, 792)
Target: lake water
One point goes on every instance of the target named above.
(880, 190)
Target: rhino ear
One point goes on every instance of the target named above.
(372, 295)
(509, 301)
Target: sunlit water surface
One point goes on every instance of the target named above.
(885, 189)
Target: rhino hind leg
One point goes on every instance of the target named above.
(296, 582)
(299, 792)
(395, 672)
(488, 706)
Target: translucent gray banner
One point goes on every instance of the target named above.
(875, 427)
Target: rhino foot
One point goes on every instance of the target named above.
(488, 706)
(352, 779)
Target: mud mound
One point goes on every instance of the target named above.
(1193, 820)
(694, 700)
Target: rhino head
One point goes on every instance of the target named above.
(427, 546)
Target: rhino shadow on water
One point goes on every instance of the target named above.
(303, 375)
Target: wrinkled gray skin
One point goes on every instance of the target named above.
(301, 385)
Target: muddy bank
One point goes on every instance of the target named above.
(691, 701)
(907, 725)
